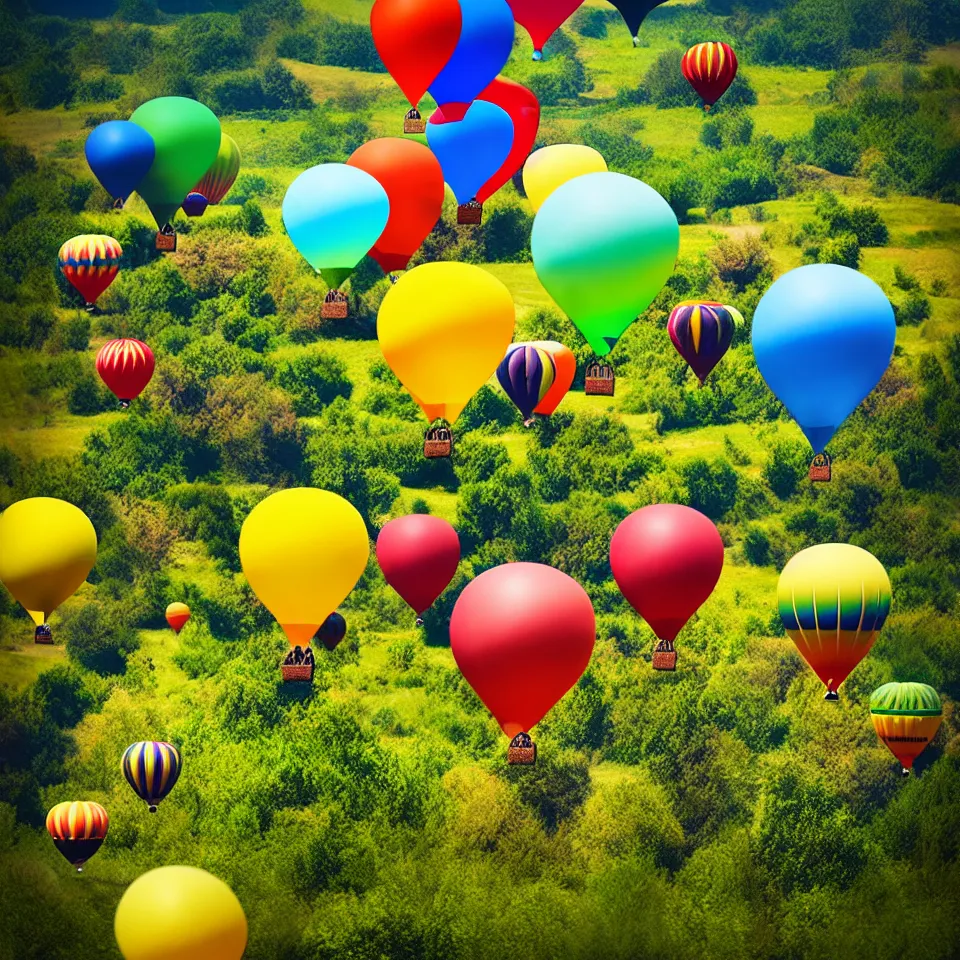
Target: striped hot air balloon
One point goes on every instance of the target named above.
(702, 331)
(125, 366)
(906, 717)
(217, 181)
(78, 829)
(709, 69)
(833, 600)
(90, 262)
(526, 373)
(152, 768)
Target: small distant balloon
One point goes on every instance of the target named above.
(906, 717)
(709, 68)
(177, 615)
(332, 631)
(217, 181)
(526, 375)
(702, 331)
(90, 263)
(152, 768)
(126, 367)
(551, 167)
(120, 153)
(78, 829)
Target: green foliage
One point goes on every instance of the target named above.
(314, 380)
(712, 487)
(98, 636)
(786, 466)
(734, 129)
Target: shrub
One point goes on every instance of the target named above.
(733, 129)
(590, 22)
(786, 467)
(314, 380)
(842, 249)
(712, 487)
(99, 89)
(741, 262)
(914, 309)
(343, 43)
(98, 636)
(756, 546)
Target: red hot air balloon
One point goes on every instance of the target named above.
(415, 39)
(709, 69)
(413, 180)
(522, 635)
(418, 555)
(666, 560)
(126, 367)
(540, 18)
(523, 108)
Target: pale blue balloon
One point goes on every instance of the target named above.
(823, 335)
(334, 214)
(473, 149)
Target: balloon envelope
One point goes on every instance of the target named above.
(702, 331)
(177, 615)
(126, 367)
(332, 631)
(823, 335)
(666, 559)
(522, 635)
(119, 153)
(906, 717)
(634, 12)
(833, 600)
(47, 549)
(565, 366)
(523, 108)
(219, 178)
(91, 263)
(78, 829)
(418, 555)
(186, 135)
(526, 373)
(709, 68)
(152, 768)
(540, 18)
(180, 913)
(603, 245)
(334, 214)
(473, 149)
(413, 181)
(549, 167)
(302, 551)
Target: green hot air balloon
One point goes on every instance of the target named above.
(187, 138)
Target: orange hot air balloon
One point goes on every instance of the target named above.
(906, 717)
(78, 829)
(709, 68)
(177, 616)
(413, 180)
(126, 367)
(90, 262)
(565, 364)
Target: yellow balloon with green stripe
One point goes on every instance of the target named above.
(906, 717)
(152, 768)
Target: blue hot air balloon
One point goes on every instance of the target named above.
(119, 153)
(823, 335)
(526, 373)
(486, 40)
(473, 149)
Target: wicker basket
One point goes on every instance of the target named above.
(44, 638)
(820, 468)
(599, 380)
(664, 659)
(166, 242)
(471, 212)
(412, 125)
(438, 443)
(522, 751)
(334, 310)
(293, 672)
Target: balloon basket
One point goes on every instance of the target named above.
(117, 204)
(91, 308)
(43, 635)
(438, 443)
(335, 306)
(167, 242)
(297, 672)
(820, 468)
(904, 772)
(470, 213)
(665, 660)
(419, 621)
(599, 381)
(414, 125)
(832, 696)
(152, 808)
(522, 751)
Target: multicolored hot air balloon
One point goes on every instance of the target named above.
(702, 331)
(418, 555)
(126, 367)
(78, 829)
(523, 108)
(120, 153)
(217, 181)
(541, 18)
(565, 370)
(177, 616)
(906, 717)
(91, 263)
(526, 374)
(152, 768)
(709, 68)
(332, 631)
(833, 600)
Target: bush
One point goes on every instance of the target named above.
(914, 309)
(733, 129)
(590, 22)
(98, 636)
(742, 262)
(756, 546)
(314, 380)
(99, 89)
(843, 250)
(88, 396)
(712, 487)
(343, 43)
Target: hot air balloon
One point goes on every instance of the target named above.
(180, 913)
(484, 45)
(47, 548)
(334, 214)
(415, 40)
(119, 153)
(634, 12)
(522, 635)
(709, 68)
(78, 829)
(540, 18)
(702, 331)
(523, 108)
(332, 631)
(418, 555)
(177, 616)
(565, 369)
(302, 551)
(603, 245)
(152, 768)
(550, 167)
(90, 262)
(823, 335)
(906, 717)
(471, 151)
(833, 600)
(443, 329)
(125, 366)
(413, 181)
(666, 560)
(217, 181)
(526, 373)
(186, 135)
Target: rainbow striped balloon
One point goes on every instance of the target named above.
(152, 768)
(78, 828)
(217, 181)
(709, 68)
(90, 262)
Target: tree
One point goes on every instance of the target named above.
(98, 636)
(314, 380)
(786, 467)
(712, 486)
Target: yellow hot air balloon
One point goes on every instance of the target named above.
(180, 913)
(47, 548)
(550, 167)
(443, 329)
(303, 551)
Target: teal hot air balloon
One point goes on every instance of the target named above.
(823, 335)
(603, 246)
(186, 137)
(334, 214)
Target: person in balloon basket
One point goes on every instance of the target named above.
(308, 657)
(43, 634)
